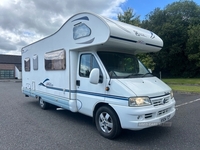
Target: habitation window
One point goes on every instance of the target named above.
(27, 64)
(35, 62)
(55, 60)
(81, 30)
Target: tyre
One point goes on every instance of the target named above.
(107, 122)
(43, 104)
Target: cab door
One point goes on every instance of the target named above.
(89, 94)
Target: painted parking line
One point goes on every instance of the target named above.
(196, 100)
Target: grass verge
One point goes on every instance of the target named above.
(185, 88)
(184, 85)
(181, 81)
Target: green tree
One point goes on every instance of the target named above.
(128, 16)
(193, 49)
(147, 60)
(172, 25)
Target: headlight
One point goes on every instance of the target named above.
(171, 94)
(139, 101)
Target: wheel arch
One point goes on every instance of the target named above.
(43, 104)
(98, 105)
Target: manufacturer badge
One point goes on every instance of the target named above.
(165, 100)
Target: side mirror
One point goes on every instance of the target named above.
(94, 76)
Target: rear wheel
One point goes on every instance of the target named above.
(43, 104)
(107, 122)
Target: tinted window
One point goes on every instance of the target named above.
(27, 64)
(35, 62)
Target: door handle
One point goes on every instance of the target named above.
(78, 82)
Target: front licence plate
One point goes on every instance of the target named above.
(165, 119)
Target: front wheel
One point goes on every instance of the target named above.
(107, 122)
(43, 104)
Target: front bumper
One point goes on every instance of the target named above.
(137, 118)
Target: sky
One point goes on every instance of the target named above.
(23, 22)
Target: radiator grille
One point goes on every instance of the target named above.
(160, 101)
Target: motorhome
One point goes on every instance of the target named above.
(90, 66)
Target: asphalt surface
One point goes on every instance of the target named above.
(25, 126)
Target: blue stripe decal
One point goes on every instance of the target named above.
(119, 38)
(89, 93)
(103, 95)
(123, 39)
(58, 89)
(42, 83)
(99, 94)
(153, 45)
(30, 93)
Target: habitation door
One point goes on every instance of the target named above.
(89, 94)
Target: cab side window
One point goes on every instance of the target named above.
(87, 63)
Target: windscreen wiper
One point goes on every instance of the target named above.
(133, 75)
(138, 75)
(147, 74)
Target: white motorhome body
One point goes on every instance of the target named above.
(76, 68)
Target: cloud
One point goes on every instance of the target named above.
(23, 22)
(7, 44)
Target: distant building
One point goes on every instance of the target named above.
(10, 67)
